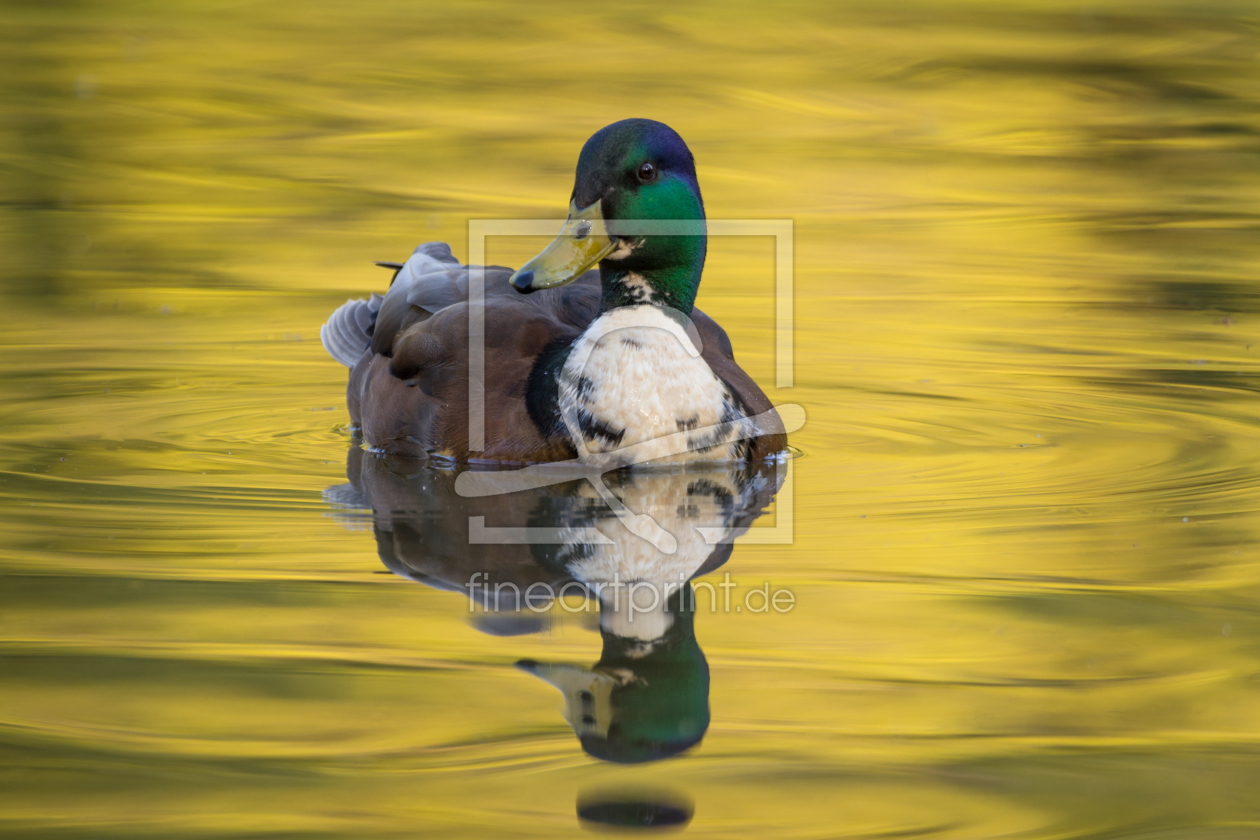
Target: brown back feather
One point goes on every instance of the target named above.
(410, 393)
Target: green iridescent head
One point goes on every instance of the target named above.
(631, 171)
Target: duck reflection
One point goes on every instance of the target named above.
(632, 540)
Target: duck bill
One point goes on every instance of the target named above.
(587, 694)
(582, 243)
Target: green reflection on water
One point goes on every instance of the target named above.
(1025, 555)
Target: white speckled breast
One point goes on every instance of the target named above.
(635, 377)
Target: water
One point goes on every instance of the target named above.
(1024, 530)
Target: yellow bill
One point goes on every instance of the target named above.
(582, 243)
(587, 694)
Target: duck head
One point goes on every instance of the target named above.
(633, 171)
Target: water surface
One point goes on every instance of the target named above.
(1024, 552)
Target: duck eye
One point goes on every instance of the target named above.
(647, 172)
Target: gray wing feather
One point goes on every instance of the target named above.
(432, 279)
(433, 291)
(439, 251)
(429, 281)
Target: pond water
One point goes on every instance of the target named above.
(1021, 540)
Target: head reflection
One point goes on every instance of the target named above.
(529, 556)
(646, 698)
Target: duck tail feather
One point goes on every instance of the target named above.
(348, 333)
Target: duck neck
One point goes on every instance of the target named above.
(669, 283)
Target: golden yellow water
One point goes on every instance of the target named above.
(1025, 551)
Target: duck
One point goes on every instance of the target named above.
(594, 351)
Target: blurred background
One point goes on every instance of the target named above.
(1025, 556)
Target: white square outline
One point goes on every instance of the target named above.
(781, 533)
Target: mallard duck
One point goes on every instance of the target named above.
(613, 365)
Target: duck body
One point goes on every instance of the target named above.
(610, 365)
